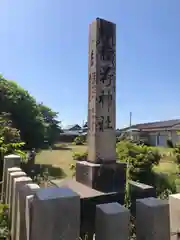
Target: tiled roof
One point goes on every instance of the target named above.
(71, 126)
(159, 124)
(67, 132)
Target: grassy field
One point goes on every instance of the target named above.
(59, 158)
(166, 164)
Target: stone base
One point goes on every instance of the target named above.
(106, 177)
(96, 184)
(139, 190)
(89, 199)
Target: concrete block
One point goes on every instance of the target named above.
(28, 215)
(10, 170)
(55, 214)
(174, 207)
(112, 222)
(17, 185)
(9, 162)
(139, 190)
(26, 190)
(152, 219)
(12, 176)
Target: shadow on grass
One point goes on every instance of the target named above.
(55, 147)
(63, 147)
(41, 169)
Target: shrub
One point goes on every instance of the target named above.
(79, 140)
(176, 152)
(140, 159)
(77, 157)
(4, 230)
(164, 184)
(80, 156)
(170, 143)
(73, 169)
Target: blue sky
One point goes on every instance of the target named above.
(44, 45)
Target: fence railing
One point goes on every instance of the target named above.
(54, 213)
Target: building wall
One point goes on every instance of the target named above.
(152, 139)
(175, 137)
(160, 138)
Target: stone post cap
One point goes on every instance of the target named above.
(12, 156)
(21, 179)
(112, 208)
(177, 196)
(32, 186)
(20, 173)
(14, 169)
(54, 193)
(152, 202)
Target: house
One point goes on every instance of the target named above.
(85, 127)
(74, 127)
(70, 133)
(155, 133)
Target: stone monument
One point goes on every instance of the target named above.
(101, 171)
(100, 179)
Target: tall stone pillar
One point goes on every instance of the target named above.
(101, 171)
(102, 92)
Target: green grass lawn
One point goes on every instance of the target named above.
(166, 167)
(59, 158)
(164, 150)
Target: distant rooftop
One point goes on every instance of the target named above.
(69, 127)
(158, 124)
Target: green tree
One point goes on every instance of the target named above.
(52, 124)
(27, 115)
(10, 140)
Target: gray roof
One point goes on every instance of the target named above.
(71, 126)
(70, 133)
(158, 124)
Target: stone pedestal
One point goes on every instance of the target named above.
(108, 177)
(89, 199)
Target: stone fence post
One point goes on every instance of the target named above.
(55, 214)
(174, 207)
(9, 170)
(9, 162)
(112, 222)
(27, 190)
(17, 185)
(139, 191)
(152, 219)
(12, 176)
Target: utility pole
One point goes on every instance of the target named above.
(130, 124)
(130, 119)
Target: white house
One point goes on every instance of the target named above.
(156, 133)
